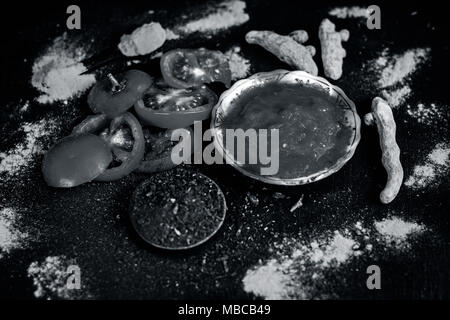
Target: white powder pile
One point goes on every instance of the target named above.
(24, 107)
(239, 66)
(396, 97)
(11, 238)
(297, 270)
(427, 114)
(394, 72)
(401, 66)
(13, 161)
(435, 167)
(349, 12)
(397, 230)
(56, 74)
(270, 281)
(228, 14)
(289, 275)
(50, 279)
(338, 250)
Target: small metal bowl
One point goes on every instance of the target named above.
(229, 97)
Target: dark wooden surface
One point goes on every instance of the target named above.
(90, 223)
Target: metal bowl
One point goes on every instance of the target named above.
(229, 97)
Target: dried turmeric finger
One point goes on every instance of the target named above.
(382, 116)
(286, 48)
(333, 53)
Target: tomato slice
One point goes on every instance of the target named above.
(118, 140)
(161, 97)
(166, 107)
(134, 157)
(185, 68)
(116, 94)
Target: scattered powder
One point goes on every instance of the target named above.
(24, 107)
(293, 275)
(396, 230)
(428, 115)
(299, 271)
(50, 279)
(19, 157)
(240, 67)
(349, 12)
(396, 97)
(435, 167)
(393, 73)
(11, 238)
(219, 17)
(228, 14)
(56, 74)
(339, 250)
(401, 66)
(440, 155)
(269, 281)
(170, 35)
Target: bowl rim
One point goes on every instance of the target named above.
(274, 76)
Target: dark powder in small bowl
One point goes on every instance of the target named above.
(177, 209)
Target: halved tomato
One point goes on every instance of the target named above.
(166, 107)
(114, 95)
(124, 137)
(75, 160)
(185, 68)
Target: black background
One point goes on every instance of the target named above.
(90, 222)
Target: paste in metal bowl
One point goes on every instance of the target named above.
(318, 126)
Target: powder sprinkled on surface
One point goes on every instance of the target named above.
(299, 270)
(50, 279)
(396, 97)
(428, 114)
(56, 74)
(11, 238)
(170, 35)
(24, 107)
(435, 167)
(19, 157)
(393, 73)
(401, 66)
(239, 66)
(270, 281)
(292, 275)
(349, 12)
(338, 250)
(397, 230)
(227, 15)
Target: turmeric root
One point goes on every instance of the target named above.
(333, 53)
(382, 116)
(289, 49)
